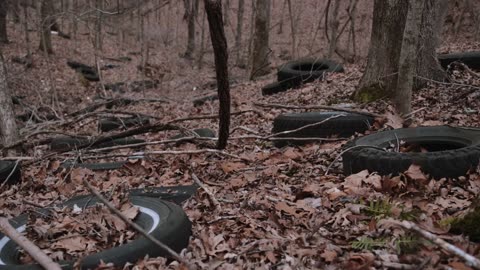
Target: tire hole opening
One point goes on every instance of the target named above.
(429, 146)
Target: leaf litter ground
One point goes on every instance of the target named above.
(279, 209)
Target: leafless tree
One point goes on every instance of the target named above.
(238, 36)
(380, 78)
(46, 21)
(219, 43)
(3, 21)
(8, 127)
(191, 11)
(260, 64)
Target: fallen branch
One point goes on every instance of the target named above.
(33, 250)
(186, 152)
(315, 107)
(139, 229)
(211, 197)
(211, 116)
(470, 260)
(304, 127)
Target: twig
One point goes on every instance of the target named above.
(470, 260)
(34, 251)
(211, 116)
(315, 107)
(210, 194)
(396, 266)
(139, 229)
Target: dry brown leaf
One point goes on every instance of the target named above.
(229, 167)
(415, 173)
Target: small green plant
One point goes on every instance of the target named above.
(407, 244)
(409, 215)
(379, 209)
(367, 243)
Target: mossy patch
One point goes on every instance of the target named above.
(468, 225)
(370, 93)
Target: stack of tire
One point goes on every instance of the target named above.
(295, 73)
(88, 72)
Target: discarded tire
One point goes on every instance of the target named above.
(340, 123)
(175, 194)
(297, 72)
(88, 72)
(273, 88)
(10, 173)
(471, 59)
(69, 143)
(164, 221)
(452, 152)
(111, 123)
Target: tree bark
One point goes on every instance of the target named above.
(238, 36)
(292, 29)
(381, 75)
(8, 126)
(3, 21)
(407, 63)
(219, 43)
(46, 12)
(191, 10)
(333, 29)
(260, 51)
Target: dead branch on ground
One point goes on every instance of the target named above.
(33, 250)
(315, 107)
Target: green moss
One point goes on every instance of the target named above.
(370, 93)
(468, 225)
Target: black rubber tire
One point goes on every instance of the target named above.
(163, 220)
(275, 87)
(77, 65)
(342, 126)
(90, 74)
(444, 163)
(104, 166)
(295, 73)
(69, 143)
(112, 123)
(471, 59)
(175, 194)
(6, 168)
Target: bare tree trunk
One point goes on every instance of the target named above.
(280, 24)
(292, 28)
(407, 63)
(219, 43)
(352, 12)
(46, 12)
(381, 75)
(238, 37)
(191, 10)
(202, 43)
(8, 126)
(260, 51)
(25, 28)
(226, 7)
(333, 29)
(3, 21)
(98, 30)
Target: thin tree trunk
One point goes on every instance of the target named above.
(226, 7)
(25, 28)
(238, 37)
(219, 43)
(191, 7)
(3, 21)
(202, 43)
(46, 12)
(333, 29)
(280, 24)
(292, 28)
(252, 27)
(98, 31)
(407, 63)
(8, 126)
(260, 52)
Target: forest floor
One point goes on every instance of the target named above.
(267, 207)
